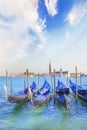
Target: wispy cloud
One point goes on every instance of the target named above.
(77, 13)
(51, 7)
(16, 19)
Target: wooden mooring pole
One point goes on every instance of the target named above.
(67, 80)
(51, 82)
(28, 93)
(7, 81)
(24, 80)
(76, 84)
(54, 85)
(11, 85)
(80, 79)
(38, 82)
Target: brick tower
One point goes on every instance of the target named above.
(50, 68)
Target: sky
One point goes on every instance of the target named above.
(36, 32)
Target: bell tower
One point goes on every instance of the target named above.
(50, 68)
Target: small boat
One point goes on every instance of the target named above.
(21, 96)
(62, 94)
(43, 95)
(82, 91)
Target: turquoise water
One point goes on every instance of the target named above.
(49, 116)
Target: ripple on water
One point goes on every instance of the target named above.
(49, 116)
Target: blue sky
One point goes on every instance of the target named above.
(34, 33)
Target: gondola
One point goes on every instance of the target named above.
(62, 94)
(81, 92)
(21, 96)
(43, 95)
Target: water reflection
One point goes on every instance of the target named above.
(50, 116)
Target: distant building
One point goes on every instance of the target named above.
(62, 73)
(74, 74)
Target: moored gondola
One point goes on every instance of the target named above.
(43, 95)
(62, 94)
(82, 91)
(21, 96)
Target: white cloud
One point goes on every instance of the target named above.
(51, 6)
(77, 13)
(16, 19)
(40, 47)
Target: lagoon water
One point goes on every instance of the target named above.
(49, 116)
